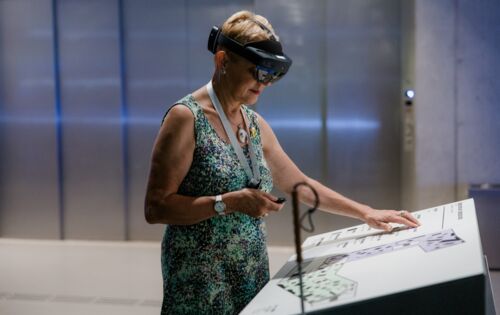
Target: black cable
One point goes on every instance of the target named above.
(310, 211)
(298, 224)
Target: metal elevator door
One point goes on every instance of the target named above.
(122, 64)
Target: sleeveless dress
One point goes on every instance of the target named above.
(216, 266)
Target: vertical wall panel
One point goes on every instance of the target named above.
(293, 106)
(363, 100)
(90, 95)
(434, 179)
(456, 103)
(156, 43)
(28, 160)
(478, 93)
(407, 110)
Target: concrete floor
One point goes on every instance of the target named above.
(77, 278)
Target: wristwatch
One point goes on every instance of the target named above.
(219, 206)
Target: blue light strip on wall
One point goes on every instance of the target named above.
(331, 124)
(124, 118)
(58, 117)
(125, 121)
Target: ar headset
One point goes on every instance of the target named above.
(271, 64)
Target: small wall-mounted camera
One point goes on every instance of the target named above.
(409, 96)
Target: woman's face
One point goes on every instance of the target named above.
(241, 82)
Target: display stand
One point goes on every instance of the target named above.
(437, 268)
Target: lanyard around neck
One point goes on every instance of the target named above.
(254, 173)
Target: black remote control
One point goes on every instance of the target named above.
(280, 200)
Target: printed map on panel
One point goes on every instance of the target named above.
(322, 277)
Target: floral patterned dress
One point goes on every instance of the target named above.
(216, 266)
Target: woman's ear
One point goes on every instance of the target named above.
(220, 59)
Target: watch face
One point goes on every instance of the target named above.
(220, 207)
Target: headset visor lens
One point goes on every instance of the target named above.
(265, 75)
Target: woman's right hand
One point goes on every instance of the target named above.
(253, 202)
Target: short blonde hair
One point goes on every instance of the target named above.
(243, 26)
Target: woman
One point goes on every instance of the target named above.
(213, 167)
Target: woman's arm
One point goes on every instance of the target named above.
(286, 174)
(171, 159)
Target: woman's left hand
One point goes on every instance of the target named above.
(380, 219)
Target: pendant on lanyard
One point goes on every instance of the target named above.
(254, 173)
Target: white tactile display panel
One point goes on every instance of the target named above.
(360, 263)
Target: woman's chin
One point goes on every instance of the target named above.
(252, 99)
